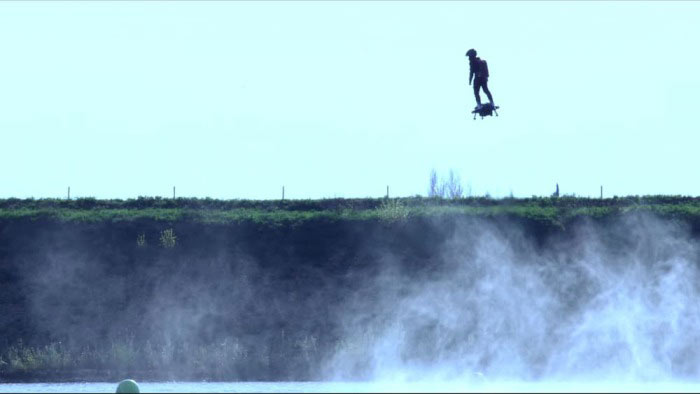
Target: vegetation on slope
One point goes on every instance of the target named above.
(119, 251)
(549, 209)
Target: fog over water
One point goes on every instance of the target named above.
(615, 303)
(486, 305)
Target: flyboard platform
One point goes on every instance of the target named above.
(487, 109)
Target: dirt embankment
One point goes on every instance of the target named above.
(117, 289)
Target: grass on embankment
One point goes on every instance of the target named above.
(546, 209)
(224, 359)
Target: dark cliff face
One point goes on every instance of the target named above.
(294, 298)
(86, 284)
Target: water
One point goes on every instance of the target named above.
(591, 315)
(347, 387)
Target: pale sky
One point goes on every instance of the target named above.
(232, 99)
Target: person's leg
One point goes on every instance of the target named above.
(477, 86)
(485, 86)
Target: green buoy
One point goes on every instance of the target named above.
(128, 386)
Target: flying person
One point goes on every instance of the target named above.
(479, 70)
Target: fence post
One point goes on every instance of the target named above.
(173, 192)
(601, 192)
(282, 193)
(69, 192)
(387, 191)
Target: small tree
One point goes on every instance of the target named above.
(442, 189)
(454, 186)
(450, 187)
(433, 190)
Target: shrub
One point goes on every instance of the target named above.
(168, 239)
(392, 210)
(141, 240)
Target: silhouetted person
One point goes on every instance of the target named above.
(479, 70)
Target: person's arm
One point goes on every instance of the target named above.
(471, 73)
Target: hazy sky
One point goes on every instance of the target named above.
(229, 99)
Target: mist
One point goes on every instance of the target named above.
(613, 302)
(440, 299)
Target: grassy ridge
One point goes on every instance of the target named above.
(223, 359)
(208, 210)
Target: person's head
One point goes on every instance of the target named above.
(471, 53)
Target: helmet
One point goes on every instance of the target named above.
(471, 52)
